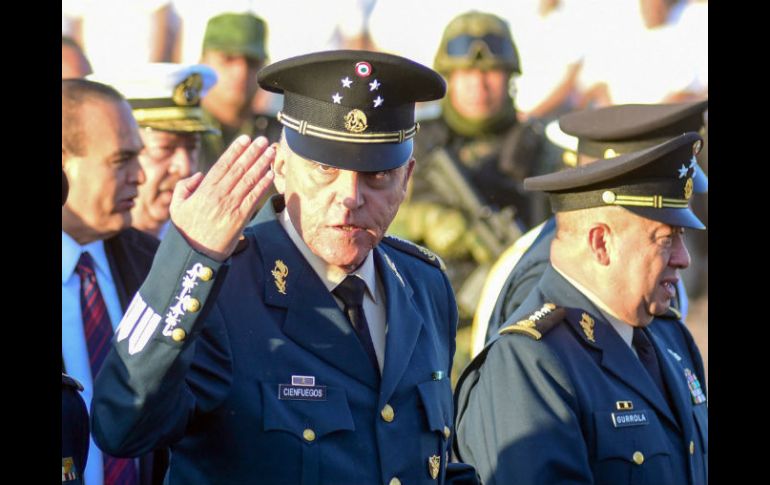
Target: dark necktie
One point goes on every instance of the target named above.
(98, 331)
(351, 292)
(649, 358)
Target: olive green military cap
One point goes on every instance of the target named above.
(655, 183)
(236, 33)
(614, 130)
(477, 40)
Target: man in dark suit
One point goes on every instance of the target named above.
(316, 349)
(103, 260)
(598, 133)
(597, 381)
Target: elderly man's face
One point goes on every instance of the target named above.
(647, 257)
(166, 158)
(477, 94)
(103, 181)
(340, 214)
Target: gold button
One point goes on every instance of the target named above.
(447, 432)
(309, 435)
(206, 273)
(387, 413)
(178, 334)
(638, 457)
(395, 481)
(608, 197)
(692, 447)
(192, 305)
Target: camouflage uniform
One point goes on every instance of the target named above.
(493, 156)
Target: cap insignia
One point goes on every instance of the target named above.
(374, 85)
(355, 121)
(336, 98)
(346, 82)
(188, 92)
(378, 101)
(688, 188)
(363, 69)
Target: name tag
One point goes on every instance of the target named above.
(288, 392)
(631, 418)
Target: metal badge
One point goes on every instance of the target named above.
(188, 92)
(624, 405)
(355, 121)
(280, 272)
(434, 462)
(688, 188)
(587, 324)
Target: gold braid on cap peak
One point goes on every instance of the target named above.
(304, 128)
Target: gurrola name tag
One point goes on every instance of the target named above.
(302, 388)
(631, 418)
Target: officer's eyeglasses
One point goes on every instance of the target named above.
(464, 45)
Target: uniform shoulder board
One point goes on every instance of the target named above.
(672, 314)
(537, 324)
(243, 243)
(415, 250)
(70, 381)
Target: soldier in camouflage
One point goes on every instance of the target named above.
(473, 158)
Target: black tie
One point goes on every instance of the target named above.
(351, 292)
(648, 357)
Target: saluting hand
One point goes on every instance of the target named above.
(211, 211)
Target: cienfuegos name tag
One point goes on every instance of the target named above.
(302, 388)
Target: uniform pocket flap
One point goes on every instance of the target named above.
(632, 436)
(322, 412)
(438, 407)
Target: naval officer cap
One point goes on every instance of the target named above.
(164, 96)
(614, 130)
(351, 109)
(655, 183)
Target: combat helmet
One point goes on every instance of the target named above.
(477, 39)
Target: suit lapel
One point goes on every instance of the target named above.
(672, 375)
(313, 319)
(403, 326)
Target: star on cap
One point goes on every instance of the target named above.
(346, 82)
(336, 98)
(378, 101)
(683, 171)
(374, 85)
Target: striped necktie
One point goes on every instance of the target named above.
(98, 331)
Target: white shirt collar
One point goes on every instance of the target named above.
(329, 278)
(71, 251)
(625, 330)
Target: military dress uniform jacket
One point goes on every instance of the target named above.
(523, 278)
(259, 378)
(577, 406)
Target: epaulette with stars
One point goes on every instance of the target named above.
(415, 250)
(537, 324)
